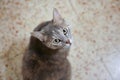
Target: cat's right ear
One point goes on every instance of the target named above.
(57, 18)
(38, 35)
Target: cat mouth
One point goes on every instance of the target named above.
(67, 43)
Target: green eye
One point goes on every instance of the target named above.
(57, 40)
(65, 31)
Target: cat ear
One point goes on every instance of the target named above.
(38, 35)
(57, 19)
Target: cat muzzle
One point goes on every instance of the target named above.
(68, 42)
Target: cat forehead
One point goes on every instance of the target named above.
(53, 32)
(51, 29)
(59, 36)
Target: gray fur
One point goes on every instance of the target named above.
(46, 59)
(54, 30)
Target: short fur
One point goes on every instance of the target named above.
(43, 63)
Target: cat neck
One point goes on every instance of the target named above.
(45, 52)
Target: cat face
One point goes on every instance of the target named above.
(56, 34)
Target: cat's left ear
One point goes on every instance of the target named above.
(57, 18)
(38, 35)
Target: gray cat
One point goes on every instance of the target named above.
(46, 56)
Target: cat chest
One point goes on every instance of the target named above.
(53, 66)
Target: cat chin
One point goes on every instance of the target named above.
(67, 46)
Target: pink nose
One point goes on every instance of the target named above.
(68, 42)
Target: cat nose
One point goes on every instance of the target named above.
(68, 42)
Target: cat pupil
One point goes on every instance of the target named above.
(65, 31)
(57, 40)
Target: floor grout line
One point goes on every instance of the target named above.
(106, 68)
(72, 7)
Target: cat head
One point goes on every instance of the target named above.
(56, 34)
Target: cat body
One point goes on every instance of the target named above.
(46, 56)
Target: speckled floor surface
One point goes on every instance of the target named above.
(95, 53)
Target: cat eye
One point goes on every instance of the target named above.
(65, 31)
(56, 40)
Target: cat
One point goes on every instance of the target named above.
(46, 56)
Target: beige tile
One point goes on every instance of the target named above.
(2, 70)
(92, 71)
(13, 68)
(112, 64)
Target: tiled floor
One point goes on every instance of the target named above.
(106, 67)
(95, 25)
(112, 65)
